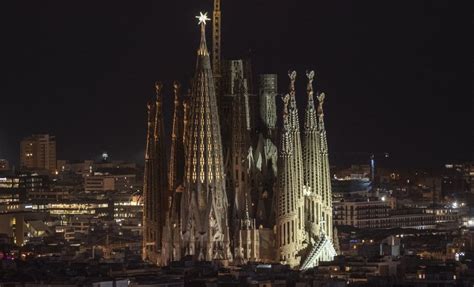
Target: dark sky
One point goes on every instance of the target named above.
(397, 74)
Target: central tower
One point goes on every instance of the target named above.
(204, 204)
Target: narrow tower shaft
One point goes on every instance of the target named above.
(241, 150)
(325, 173)
(172, 232)
(312, 165)
(240, 139)
(155, 187)
(149, 217)
(176, 163)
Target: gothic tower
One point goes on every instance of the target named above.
(325, 173)
(172, 231)
(176, 163)
(204, 205)
(318, 198)
(238, 169)
(155, 189)
(290, 223)
(241, 158)
(312, 165)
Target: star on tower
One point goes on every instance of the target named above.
(202, 18)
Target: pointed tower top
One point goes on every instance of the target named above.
(310, 123)
(176, 91)
(285, 138)
(293, 109)
(321, 98)
(158, 87)
(202, 18)
(202, 22)
(158, 90)
(292, 75)
(309, 87)
(292, 92)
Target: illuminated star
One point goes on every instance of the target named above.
(202, 18)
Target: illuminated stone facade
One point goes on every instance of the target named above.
(204, 203)
(238, 197)
(303, 232)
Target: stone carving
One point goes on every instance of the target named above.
(321, 98)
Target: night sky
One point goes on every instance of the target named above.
(397, 74)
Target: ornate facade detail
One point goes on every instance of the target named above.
(267, 93)
(248, 238)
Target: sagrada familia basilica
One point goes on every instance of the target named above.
(234, 186)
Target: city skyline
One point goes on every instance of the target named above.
(236, 143)
(70, 75)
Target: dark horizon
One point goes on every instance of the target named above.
(396, 75)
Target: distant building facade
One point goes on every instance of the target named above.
(377, 213)
(38, 152)
(99, 182)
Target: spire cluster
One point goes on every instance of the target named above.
(230, 193)
(303, 187)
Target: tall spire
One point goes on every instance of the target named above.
(172, 231)
(176, 163)
(240, 144)
(325, 174)
(160, 153)
(312, 164)
(148, 188)
(202, 51)
(311, 122)
(155, 188)
(290, 212)
(204, 201)
(293, 110)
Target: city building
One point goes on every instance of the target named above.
(10, 190)
(99, 182)
(31, 184)
(38, 152)
(383, 213)
(79, 167)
